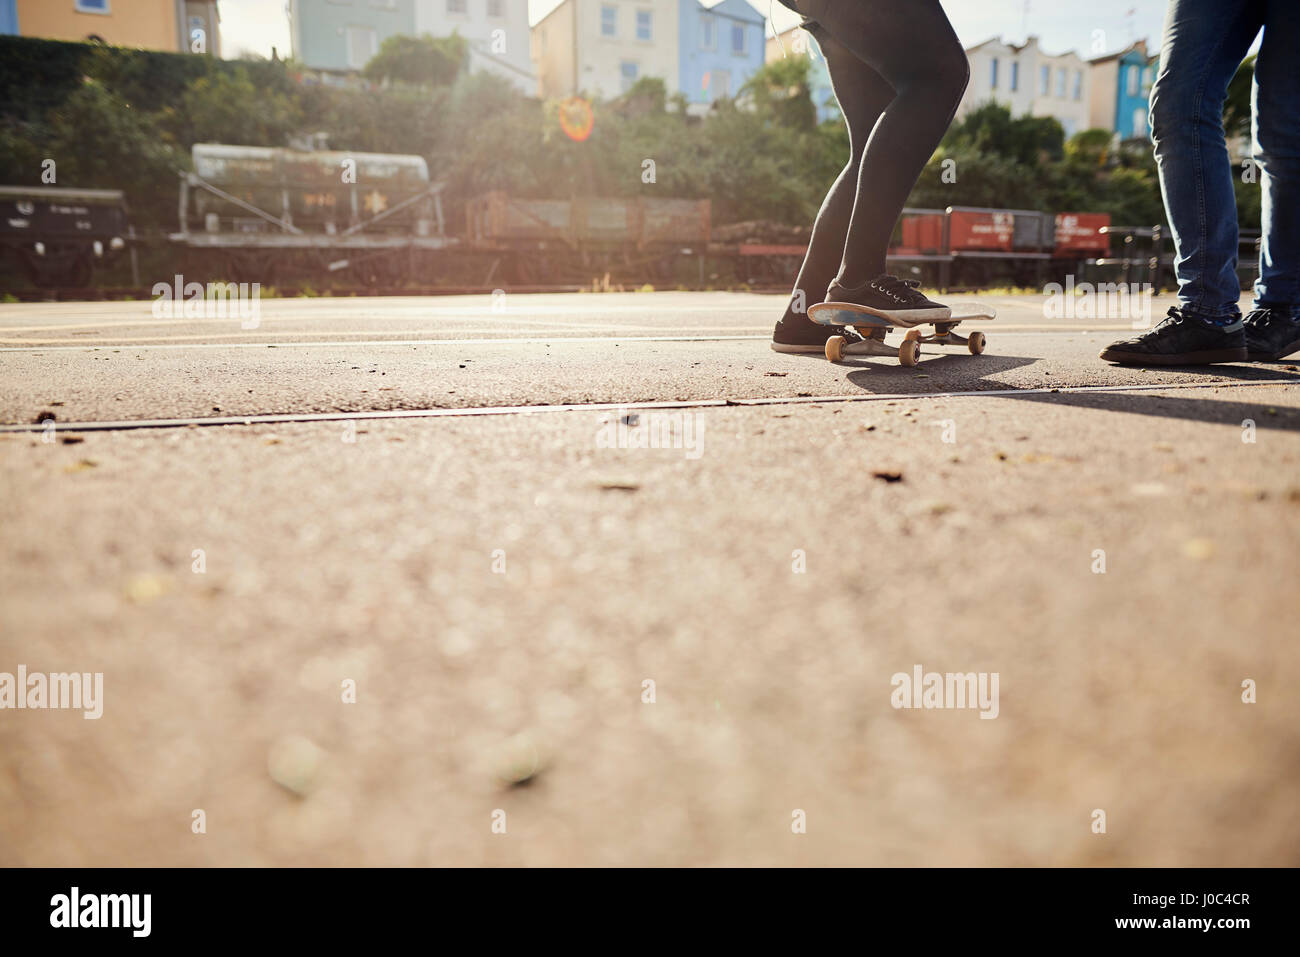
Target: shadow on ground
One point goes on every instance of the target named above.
(1263, 414)
(869, 373)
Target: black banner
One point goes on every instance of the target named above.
(330, 907)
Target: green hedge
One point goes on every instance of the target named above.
(36, 74)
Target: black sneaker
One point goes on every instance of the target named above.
(804, 335)
(1180, 341)
(898, 300)
(1271, 335)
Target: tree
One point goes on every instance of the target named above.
(982, 179)
(646, 97)
(228, 107)
(99, 141)
(1090, 148)
(779, 93)
(990, 128)
(419, 61)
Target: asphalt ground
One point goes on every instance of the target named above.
(494, 576)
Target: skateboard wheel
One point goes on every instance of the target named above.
(835, 348)
(909, 352)
(913, 334)
(975, 343)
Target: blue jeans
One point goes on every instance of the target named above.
(1204, 42)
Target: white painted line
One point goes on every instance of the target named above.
(86, 346)
(94, 345)
(611, 406)
(442, 324)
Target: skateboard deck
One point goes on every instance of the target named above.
(874, 328)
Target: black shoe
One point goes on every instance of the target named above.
(804, 335)
(1180, 340)
(1271, 335)
(898, 300)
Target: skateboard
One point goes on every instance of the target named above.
(875, 327)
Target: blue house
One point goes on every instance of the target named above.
(1121, 91)
(719, 48)
(1137, 72)
(9, 16)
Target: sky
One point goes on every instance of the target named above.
(254, 26)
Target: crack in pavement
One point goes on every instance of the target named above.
(283, 418)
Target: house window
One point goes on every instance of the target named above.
(993, 74)
(1132, 77)
(608, 21)
(496, 8)
(458, 6)
(362, 46)
(1139, 122)
(643, 25)
(738, 39)
(1078, 84)
(708, 32)
(1060, 83)
(1044, 80)
(628, 70)
(1015, 75)
(719, 84)
(93, 6)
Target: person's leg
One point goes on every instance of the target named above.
(1276, 101)
(1204, 43)
(913, 47)
(899, 72)
(862, 95)
(1273, 328)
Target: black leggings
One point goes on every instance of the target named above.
(898, 71)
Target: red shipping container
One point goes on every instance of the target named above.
(981, 231)
(1079, 234)
(922, 234)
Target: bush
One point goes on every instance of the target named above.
(100, 142)
(419, 61)
(228, 107)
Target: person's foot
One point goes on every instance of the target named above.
(1271, 335)
(804, 335)
(1181, 340)
(898, 300)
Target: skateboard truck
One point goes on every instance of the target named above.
(873, 328)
